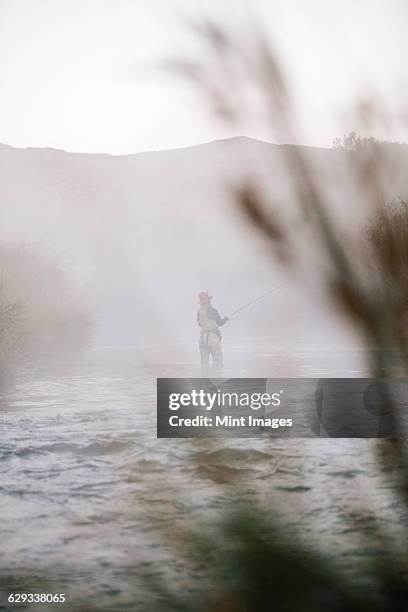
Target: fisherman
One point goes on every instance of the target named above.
(210, 321)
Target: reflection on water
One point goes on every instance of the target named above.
(85, 484)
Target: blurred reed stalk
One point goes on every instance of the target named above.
(251, 565)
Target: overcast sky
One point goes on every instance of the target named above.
(80, 74)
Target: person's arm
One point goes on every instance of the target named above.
(215, 315)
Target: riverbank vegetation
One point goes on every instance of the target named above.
(11, 335)
(43, 313)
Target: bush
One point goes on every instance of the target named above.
(43, 312)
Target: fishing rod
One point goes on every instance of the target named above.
(260, 297)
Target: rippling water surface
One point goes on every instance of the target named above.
(88, 493)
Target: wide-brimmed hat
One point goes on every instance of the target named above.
(204, 296)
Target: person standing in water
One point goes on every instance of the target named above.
(210, 321)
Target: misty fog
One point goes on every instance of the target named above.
(140, 235)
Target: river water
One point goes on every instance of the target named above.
(89, 495)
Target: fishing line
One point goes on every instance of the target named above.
(260, 297)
